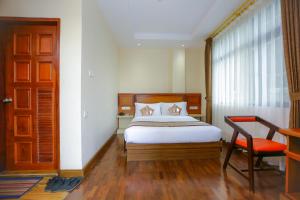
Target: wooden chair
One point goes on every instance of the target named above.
(255, 147)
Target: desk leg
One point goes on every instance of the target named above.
(292, 176)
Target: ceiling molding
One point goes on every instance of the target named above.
(232, 17)
(167, 23)
(163, 36)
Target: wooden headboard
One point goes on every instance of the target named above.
(126, 101)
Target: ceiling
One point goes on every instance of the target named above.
(165, 23)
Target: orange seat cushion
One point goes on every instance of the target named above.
(262, 145)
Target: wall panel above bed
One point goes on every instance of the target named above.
(126, 100)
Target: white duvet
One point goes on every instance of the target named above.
(154, 135)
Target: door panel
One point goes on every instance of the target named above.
(22, 126)
(22, 97)
(31, 63)
(22, 42)
(45, 124)
(23, 152)
(45, 44)
(44, 71)
(22, 69)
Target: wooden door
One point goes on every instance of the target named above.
(31, 86)
(2, 95)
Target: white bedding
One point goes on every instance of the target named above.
(155, 135)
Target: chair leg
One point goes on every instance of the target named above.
(230, 149)
(258, 161)
(251, 173)
(250, 165)
(228, 155)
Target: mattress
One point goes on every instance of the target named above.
(159, 135)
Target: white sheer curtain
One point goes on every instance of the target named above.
(248, 70)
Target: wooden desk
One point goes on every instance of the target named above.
(292, 185)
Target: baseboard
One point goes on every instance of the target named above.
(92, 162)
(66, 173)
(29, 173)
(71, 173)
(98, 155)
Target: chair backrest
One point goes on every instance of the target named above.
(232, 121)
(243, 118)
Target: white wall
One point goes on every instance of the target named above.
(178, 70)
(145, 70)
(195, 72)
(151, 70)
(70, 67)
(99, 92)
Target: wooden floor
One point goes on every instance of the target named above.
(112, 178)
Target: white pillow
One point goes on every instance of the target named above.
(154, 106)
(165, 108)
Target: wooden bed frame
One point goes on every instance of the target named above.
(176, 151)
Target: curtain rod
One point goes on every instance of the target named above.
(231, 18)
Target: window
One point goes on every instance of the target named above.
(249, 75)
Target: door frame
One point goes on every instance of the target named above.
(41, 21)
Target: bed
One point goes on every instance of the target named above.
(170, 137)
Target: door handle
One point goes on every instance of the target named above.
(7, 100)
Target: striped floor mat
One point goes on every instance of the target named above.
(15, 187)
